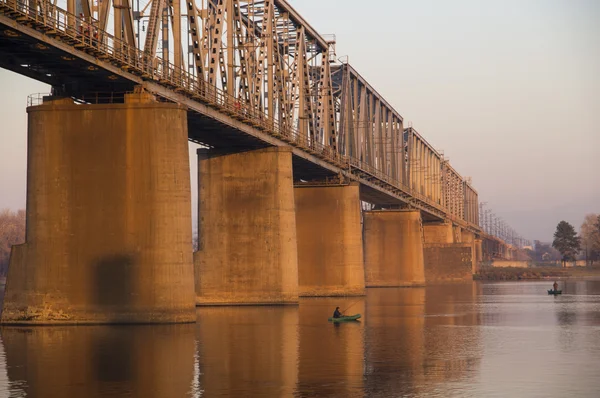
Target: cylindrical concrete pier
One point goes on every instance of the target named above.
(109, 235)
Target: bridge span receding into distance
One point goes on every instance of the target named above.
(256, 84)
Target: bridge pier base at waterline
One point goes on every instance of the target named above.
(108, 216)
(447, 257)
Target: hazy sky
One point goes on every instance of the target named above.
(509, 90)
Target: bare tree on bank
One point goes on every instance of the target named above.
(12, 232)
(566, 241)
(590, 238)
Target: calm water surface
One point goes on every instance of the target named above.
(469, 340)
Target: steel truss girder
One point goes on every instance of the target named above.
(263, 55)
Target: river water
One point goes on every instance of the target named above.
(465, 340)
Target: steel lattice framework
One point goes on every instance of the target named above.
(258, 63)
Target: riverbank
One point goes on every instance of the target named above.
(534, 273)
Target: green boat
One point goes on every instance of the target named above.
(346, 318)
(554, 291)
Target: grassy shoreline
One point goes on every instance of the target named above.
(534, 273)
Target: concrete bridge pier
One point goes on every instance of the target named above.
(469, 237)
(330, 244)
(108, 210)
(246, 228)
(393, 248)
(445, 259)
(479, 251)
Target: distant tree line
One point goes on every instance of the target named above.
(12, 232)
(543, 252)
(585, 246)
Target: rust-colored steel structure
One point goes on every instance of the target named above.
(252, 74)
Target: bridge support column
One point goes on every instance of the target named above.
(479, 251)
(469, 237)
(108, 210)
(457, 233)
(247, 228)
(330, 246)
(445, 260)
(393, 248)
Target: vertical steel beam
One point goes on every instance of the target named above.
(195, 32)
(230, 45)
(152, 32)
(370, 129)
(71, 13)
(177, 43)
(378, 143)
(85, 8)
(103, 12)
(356, 118)
(362, 124)
(343, 126)
(410, 161)
(391, 163)
(165, 37)
(118, 24)
(303, 84)
(127, 15)
(401, 155)
(270, 33)
(325, 115)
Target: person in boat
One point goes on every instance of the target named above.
(555, 286)
(337, 313)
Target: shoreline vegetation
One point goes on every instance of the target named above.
(534, 273)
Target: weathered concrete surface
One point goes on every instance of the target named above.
(330, 247)
(96, 361)
(108, 210)
(479, 251)
(448, 262)
(393, 248)
(469, 237)
(247, 229)
(457, 233)
(438, 233)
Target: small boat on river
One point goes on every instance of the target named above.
(345, 318)
(555, 292)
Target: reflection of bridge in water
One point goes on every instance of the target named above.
(289, 132)
(405, 344)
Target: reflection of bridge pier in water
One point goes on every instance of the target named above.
(394, 340)
(248, 348)
(453, 344)
(95, 361)
(331, 359)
